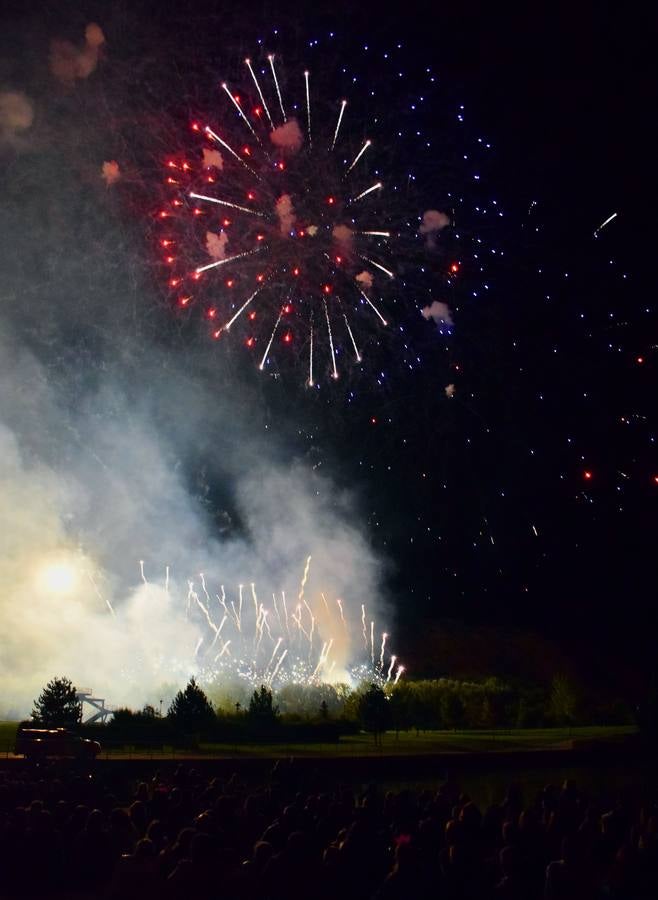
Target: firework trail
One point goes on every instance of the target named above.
(263, 648)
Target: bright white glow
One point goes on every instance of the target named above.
(58, 577)
(385, 234)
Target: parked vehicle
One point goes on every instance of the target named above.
(40, 743)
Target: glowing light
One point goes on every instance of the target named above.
(58, 576)
(587, 475)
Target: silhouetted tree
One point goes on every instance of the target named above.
(374, 712)
(57, 704)
(261, 706)
(191, 711)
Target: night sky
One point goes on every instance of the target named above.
(529, 499)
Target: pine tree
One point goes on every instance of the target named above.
(261, 706)
(191, 711)
(57, 704)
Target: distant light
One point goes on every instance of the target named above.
(587, 475)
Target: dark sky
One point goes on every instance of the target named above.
(529, 499)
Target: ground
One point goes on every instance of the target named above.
(407, 744)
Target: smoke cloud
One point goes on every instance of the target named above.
(343, 235)
(212, 159)
(285, 213)
(216, 244)
(16, 115)
(439, 312)
(68, 62)
(433, 222)
(365, 279)
(110, 172)
(126, 437)
(288, 137)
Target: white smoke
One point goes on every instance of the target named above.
(288, 137)
(439, 312)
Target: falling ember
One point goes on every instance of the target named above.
(359, 155)
(253, 212)
(276, 83)
(373, 307)
(308, 107)
(331, 341)
(374, 187)
(260, 93)
(340, 119)
(381, 652)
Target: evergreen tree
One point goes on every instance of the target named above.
(57, 705)
(261, 706)
(191, 711)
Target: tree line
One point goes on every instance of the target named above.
(323, 712)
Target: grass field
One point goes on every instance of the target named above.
(407, 744)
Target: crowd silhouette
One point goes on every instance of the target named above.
(184, 835)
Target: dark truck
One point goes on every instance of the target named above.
(40, 743)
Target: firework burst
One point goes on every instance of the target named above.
(279, 228)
